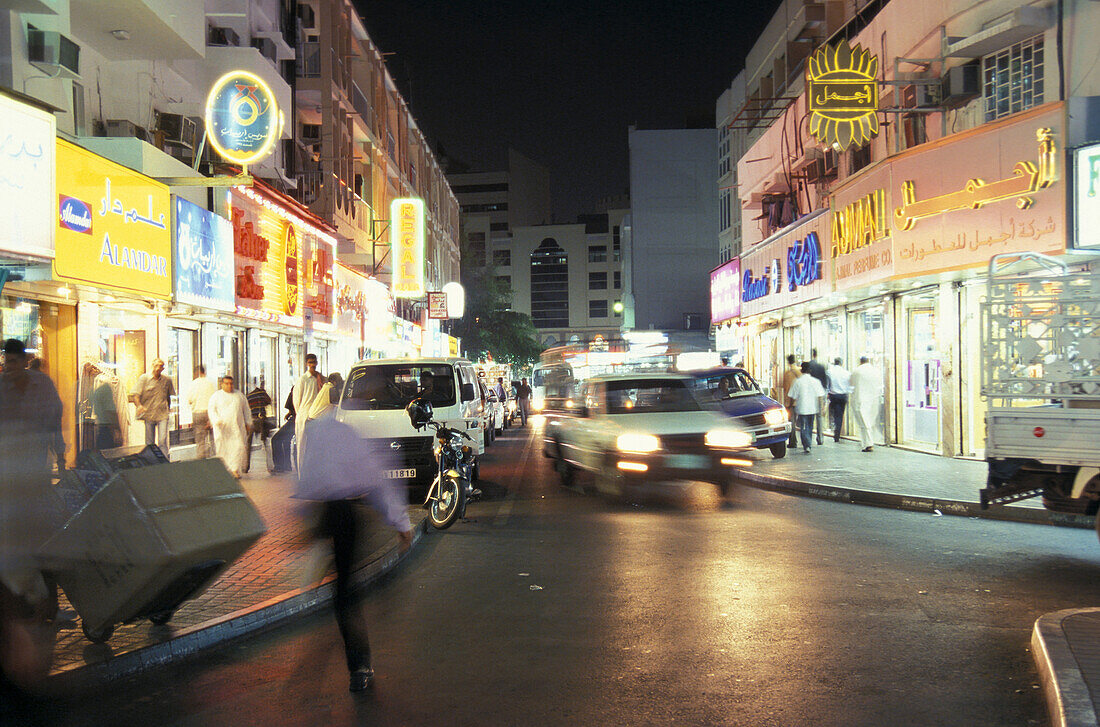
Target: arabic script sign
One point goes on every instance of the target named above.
(242, 119)
(112, 225)
(407, 247)
(27, 179)
(842, 95)
(803, 262)
(204, 257)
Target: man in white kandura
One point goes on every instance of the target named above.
(866, 400)
(305, 388)
(230, 418)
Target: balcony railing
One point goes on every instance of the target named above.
(309, 60)
(362, 106)
(310, 187)
(391, 146)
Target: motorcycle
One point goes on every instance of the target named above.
(452, 487)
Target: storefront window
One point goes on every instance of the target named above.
(867, 337)
(261, 362)
(970, 360)
(225, 353)
(127, 343)
(19, 319)
(180, 359)
(919, 379)
(291, 366)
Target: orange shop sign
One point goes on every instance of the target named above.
(407, 247)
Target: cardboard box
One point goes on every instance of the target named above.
(150, 538)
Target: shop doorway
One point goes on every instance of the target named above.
(867, 337)
(181, 358)
(920, 372)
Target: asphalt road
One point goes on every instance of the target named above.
(552, 607)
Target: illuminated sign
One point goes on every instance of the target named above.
(1087, 207)
(725, 296)
(860, 223)
(803, 262)
(437, 305)
(1026, 179)
(407, 247)
(753, 288)
(242, 119)
(204, 258)
(842, 95)
(112, 225)
(27, 143)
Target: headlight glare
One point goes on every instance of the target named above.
(640, 443)
(775, 416)
(727, 439)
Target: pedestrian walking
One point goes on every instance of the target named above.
(230, 419)
(502, 395)
(523, 398)
(198, 398)
(305, 388)
(838, 389)
(152, 396)
(866, 400)
(340, 470)
(258, 402)
(807, 393)
(790, 375)
(817, 370)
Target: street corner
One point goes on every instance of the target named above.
(1066, 648)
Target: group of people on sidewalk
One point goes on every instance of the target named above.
(809, 390)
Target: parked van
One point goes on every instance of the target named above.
(377, 391)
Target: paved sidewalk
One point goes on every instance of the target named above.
(280, 576)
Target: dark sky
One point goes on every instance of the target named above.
(561, 81)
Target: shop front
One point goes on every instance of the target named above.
(725, 309)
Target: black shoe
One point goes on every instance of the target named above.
(819, 442)
(836, 439)
(361, 679)
(866, 449)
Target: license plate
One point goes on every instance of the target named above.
(400, 474)
(689, 461)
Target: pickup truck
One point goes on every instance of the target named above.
(629, 429)
(1041, 377)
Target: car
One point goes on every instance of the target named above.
(633, 428)
(740, 397)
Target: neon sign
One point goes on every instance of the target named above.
(860, 223)
(842, 95)
(242, 119)
(407, 247)
(753, 288)
(804, 262)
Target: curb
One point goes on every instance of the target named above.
(230, 627)
(1068, 699)
(915, 503)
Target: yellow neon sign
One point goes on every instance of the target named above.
(1026, 179)
(243, 121)
(407, 247)
(860, 223)
(842, 95)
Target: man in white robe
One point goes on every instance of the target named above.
(305, 389)
(866, 401)
(230, 418)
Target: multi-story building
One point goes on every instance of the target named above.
(731, 147)
(870, 212)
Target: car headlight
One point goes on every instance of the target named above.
(727, 439)
(775, 416)
(538, 404)
(640, 443)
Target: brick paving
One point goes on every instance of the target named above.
(280, 562)
(1082, 632)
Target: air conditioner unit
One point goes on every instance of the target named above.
(961, 84)
(176, 128)
(267, 48)
(920, 96)
(222, 36)
(53, 53)
(121, 128)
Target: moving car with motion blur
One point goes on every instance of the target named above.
(630, 429)
(739, 396)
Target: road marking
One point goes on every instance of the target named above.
(505, 512)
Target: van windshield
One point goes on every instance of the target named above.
(393, 386)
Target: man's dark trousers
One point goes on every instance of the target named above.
(338, 521)
(837, 404)
(806, 429)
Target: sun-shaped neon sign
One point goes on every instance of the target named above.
(842, 95)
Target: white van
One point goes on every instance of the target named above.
(377, 391)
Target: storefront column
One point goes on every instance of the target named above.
(947, 325)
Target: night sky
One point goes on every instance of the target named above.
(561, 81)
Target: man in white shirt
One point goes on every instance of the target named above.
(839, 388)
(198, 398)
(807, 393)
(230, 417)
(866, 400)
(305, 389)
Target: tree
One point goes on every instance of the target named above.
(490, 326)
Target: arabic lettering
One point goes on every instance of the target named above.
(1030, 230)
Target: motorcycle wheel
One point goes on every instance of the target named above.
(448, 503)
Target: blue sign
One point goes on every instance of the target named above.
(753, 288)
(204, 258)
(242, 119)
(804, 262)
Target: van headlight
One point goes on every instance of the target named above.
(640, 443)
(727, 439)
(539, 404)
(775, 417)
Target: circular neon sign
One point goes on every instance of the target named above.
(242, 119)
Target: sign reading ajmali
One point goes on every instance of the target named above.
(242, 118)
(842, 95)
(407, 247)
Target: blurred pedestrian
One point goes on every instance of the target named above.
(230, 418)
(502, 395)
(198, 398)
(817, 370)
(258, 402)
(103, 402)
(337, 468)
(790, 375)
(152, 396)
(839, 388)
(305, 388)
(807, 393)
(866, 400)
(523, 398)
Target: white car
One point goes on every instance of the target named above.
(499, 414)
(631, 428)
